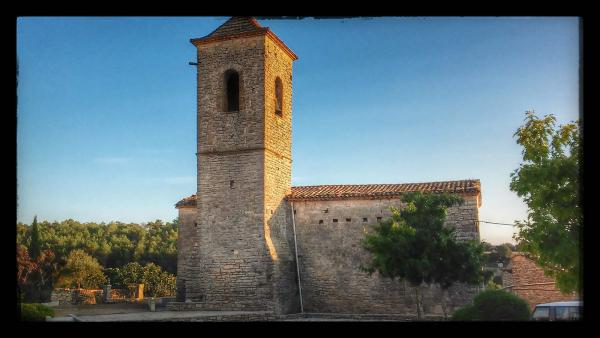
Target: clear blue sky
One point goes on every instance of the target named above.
(106, 107)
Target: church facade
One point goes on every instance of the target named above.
(248, 240)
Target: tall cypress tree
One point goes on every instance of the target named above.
(35, 245)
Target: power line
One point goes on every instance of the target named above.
(495, 223)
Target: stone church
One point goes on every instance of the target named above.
(249, 240)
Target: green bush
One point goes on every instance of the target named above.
(494, 305)
(464, 314)
(35, 312)
(157, 283)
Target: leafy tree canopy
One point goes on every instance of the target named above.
(414, 245)
(82, 270)
(114, 244)
(548, 182)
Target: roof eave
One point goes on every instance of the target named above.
(263, 31)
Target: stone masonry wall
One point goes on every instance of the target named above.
(238, 255)
(219, 130)
(278, 177)
(330, 257)
(528, 281)
(228, 263)
(185, 246)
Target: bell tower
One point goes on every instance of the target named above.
(240, 255)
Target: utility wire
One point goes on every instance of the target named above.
(495, 223)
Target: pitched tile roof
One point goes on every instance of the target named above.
(189, 201)
(367, 191)
(238, 27)
(377, 191)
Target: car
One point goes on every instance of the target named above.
(558, 311)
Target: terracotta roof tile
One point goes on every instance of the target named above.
(367, 191)
(189, 201)
(237, 25)
(376, 191)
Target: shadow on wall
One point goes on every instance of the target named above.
(279, 240)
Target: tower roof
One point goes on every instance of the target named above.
(237, 25)
(241, 27)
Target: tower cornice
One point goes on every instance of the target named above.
(230, 34)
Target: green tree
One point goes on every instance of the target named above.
(35, 246)
(35, 277)
(494, 305)
(548, 182)
(131, 273)
(82, 271)
(114, 244)
(414, 246)
(455, 262)
(157, 283)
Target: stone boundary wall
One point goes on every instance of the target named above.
(243, 317)
(270, 316)
(88, 296)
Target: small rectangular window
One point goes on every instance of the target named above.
(231, 184)
(365, 219)
(378, 219)
(348, 219)
(335, 220)
(320, 221)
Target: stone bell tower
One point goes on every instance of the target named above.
(237, 255)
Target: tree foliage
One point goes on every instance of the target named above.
(35, 244)
(548, 182)
(494, 305)
(82, 271)
(157, 283)
(35, 277)
(35, 312)
(113, 245)
(415, 246)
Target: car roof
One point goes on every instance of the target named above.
(571, 303)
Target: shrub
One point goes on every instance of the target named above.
(157, 283)
(494, 305)
(81, 270)
(35, 312)
(464, 314)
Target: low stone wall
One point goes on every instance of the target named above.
(62, 296)
(90, 296)
(270, 316)
(120, 295)
(242, 317)
(76, 296)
